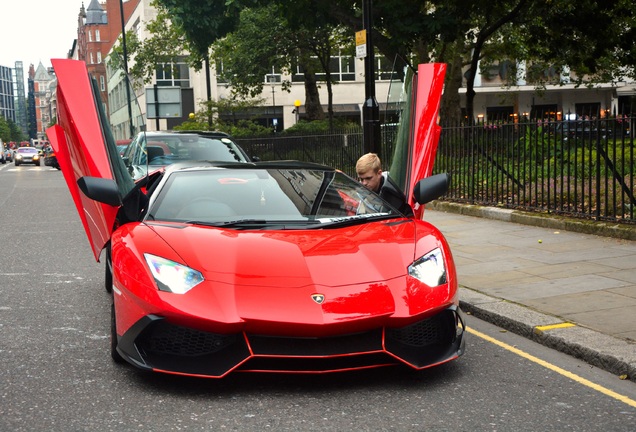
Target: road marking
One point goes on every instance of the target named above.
(555, 368)
(541, 329)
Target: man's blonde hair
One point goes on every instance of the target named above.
(369, 161)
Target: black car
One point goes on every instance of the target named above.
(50, 159)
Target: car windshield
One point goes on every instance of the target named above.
(262, 197)
(160, 150)
(27, 150)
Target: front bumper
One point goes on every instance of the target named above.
(155, 344)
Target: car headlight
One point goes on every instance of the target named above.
(430, 268)
(171, 276)
(18, 156)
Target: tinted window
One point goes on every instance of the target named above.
(213, 195)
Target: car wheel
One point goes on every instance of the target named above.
(117, 358)
(17, 163)
(108, 271)
(38, 163)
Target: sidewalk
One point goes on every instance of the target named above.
(523, 278)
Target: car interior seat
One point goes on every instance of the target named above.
(154, 152)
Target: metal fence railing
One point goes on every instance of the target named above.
(582, 168)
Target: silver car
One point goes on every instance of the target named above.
(27, 155)
(156, 150)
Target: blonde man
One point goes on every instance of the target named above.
(369, 170)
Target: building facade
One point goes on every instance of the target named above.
(7, 96)
(40, 82)
(98, 28)
(20, 98)
(495, 100)
(560, 98)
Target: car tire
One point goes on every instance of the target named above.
(38, 163)
(117, 358)
(108, 271)
(17, 163)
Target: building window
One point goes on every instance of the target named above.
(97, 37)
(92, 59)
(173, 74)
(544, 112)
(499, 114)
(90, 36)
(341, 67)
(220, 76)
(99, 57)
(588, 111)
(384, 68)
(102, 83)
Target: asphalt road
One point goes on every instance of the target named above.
(56, 373)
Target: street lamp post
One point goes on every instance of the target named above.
(123, 39)
(272, 82)
(370, 109)
(297, 104)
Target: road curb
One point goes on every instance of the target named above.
(611, 354)
(543, 220)
(614, 355)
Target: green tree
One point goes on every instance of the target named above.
(264, 40)
(237, 109)
(593, 39)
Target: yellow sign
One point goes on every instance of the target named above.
(361, 37)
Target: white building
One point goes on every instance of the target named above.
(492, 101)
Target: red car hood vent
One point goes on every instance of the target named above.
(296, 258)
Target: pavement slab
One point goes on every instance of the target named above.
(526, 276)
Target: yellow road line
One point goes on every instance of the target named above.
(554, 326)
(556, 369)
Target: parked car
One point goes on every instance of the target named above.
(50, 159)
(156, 150)
(29, 155)
(223, 266)
(3, 157)
(8, 154)
(122, 145)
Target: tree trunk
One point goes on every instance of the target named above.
(450, 110)
(313, 108)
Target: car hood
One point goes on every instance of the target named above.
(365, 253)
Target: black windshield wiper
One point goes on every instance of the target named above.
(358, 219)
(229, 224)
(256, 223)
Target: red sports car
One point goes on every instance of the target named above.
(216, 267)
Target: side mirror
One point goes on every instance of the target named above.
(100, 189)
(431, 188)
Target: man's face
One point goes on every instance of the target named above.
(370, 179)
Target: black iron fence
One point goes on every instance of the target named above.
(581, 168)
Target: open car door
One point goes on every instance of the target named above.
(417, 98)
(85, 147)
